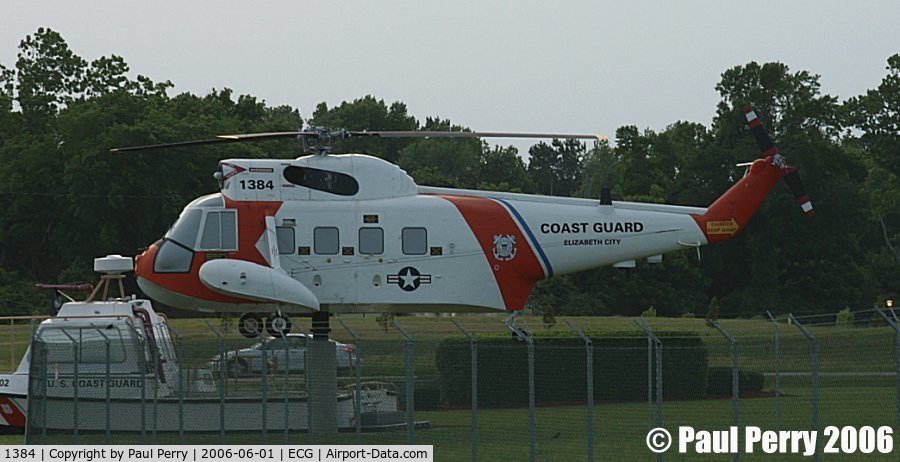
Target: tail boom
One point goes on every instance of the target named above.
(731, 212)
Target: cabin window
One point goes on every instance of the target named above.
(220, 231)
(322, 180)
(185, 229)
(92, 346)
(415, 241)
(326, 241)
(286, 239)
(371, 241)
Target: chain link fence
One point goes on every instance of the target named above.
(475, 387)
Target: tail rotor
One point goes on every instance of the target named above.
(768, 149)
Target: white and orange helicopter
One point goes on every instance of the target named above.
(352, 233)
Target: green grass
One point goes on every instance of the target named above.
(562, 430)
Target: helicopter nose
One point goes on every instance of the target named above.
(143, 263)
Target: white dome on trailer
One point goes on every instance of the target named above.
(113, 264)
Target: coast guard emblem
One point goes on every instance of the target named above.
(504, 247)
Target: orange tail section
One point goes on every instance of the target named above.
(729, 214)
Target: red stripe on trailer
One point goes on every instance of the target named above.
(11, 413)
(488, 219)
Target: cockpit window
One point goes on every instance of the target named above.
(322, 180)
(220, 231)
(172, 257)
(185, 230)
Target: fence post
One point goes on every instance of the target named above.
(29, 414)
(286, 404)
(287, 370)
(264, 416)
(38, 356)
(75, 360)
(529, 340)
(893, 323)
(180, 356)
(12, 345)
(222, 365)
(108, 427)
(473, 347)
(143, 372)
(735, 380)
(357, 364)
(410, 386)
(777, 371)
(307, 374)
(814, 352)
(653, 344)
(157, 369)
(589, 349)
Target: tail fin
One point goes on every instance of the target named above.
(729, 214)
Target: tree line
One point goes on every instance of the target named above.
(66, 199)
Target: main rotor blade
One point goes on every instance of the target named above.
(330, 134)
(177, 144)
(219, 139)
(440, 134)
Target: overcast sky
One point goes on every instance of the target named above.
(568, 66)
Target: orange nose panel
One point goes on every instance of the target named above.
(187, 284)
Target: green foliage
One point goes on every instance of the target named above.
(649, 313)
(720, 381)
(713, 311)
(620, 368)
(384, 320)
(548, 317)
(68, 200)
(427, 396)
(502, 169)
(556, 168)
(19, 296)
(844, 317)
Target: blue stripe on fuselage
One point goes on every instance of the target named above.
(534, 241)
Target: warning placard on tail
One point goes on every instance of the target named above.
(722, 227)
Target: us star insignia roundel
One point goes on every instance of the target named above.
(409, 279)
(504, 247)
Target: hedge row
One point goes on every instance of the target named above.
(720, 381)
(620, 368)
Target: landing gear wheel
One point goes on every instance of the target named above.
(250, 325)
(279, 325)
